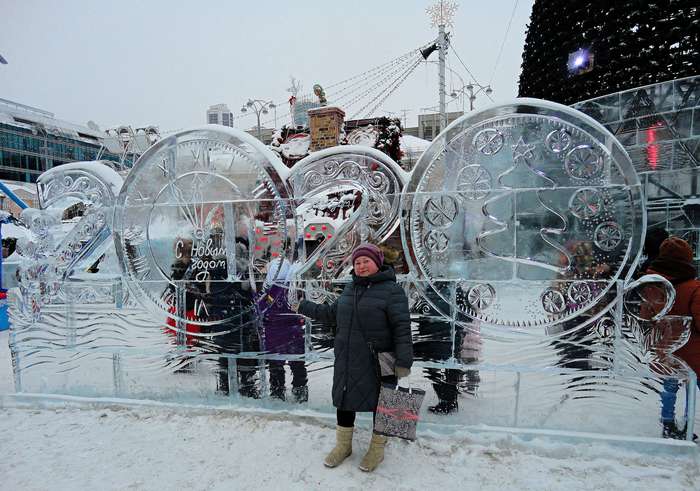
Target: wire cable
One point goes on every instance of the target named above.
(469, 71)
(365, 81)
(503, 43)
(397, 64)
(400, 69)
(400, 78)
(396, 86)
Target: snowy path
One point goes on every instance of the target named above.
(149, 448)
(154, 449)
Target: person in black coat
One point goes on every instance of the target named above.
(372, 345)
(231, 300)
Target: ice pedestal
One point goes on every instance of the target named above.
(593, 381)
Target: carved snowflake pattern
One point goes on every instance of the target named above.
(441, 211)
(488, 141)
(481, 296)
(583, 162)
(579, 293)
(436, 241)
(607, 236)
(586, 203)
(473, 182)
(553, 302)
(558, 140)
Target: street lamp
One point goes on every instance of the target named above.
(472, 92)
(259, 107)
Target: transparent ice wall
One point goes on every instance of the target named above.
(659, 126)
(515, 238)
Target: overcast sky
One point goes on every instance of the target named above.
(164, 62)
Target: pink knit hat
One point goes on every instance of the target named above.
(371, 251)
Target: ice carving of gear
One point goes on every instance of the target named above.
(608, 236)
(586, 203)
(553, 301)
(584, 162)
(579, 292)
(441, 211)
(489, 141)
(558, 140)
(528, 213)
(481, 296)
(473, 182)
(354, 189)
(188, 218)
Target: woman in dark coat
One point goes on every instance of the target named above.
(372, 323)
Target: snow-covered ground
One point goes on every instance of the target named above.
(64, 445)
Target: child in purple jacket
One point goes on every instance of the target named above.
(283, 331)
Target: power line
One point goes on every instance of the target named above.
(503, 43)
(460, 60)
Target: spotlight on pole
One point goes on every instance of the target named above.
(3, 61)
(429, 50)
(580, 61)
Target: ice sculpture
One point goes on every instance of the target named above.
(533, 210)
(516, 235)
(345, 196)
(195, 201)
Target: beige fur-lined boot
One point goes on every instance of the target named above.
(342, 449)
(375, 453)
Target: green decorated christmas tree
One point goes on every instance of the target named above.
(580, 50)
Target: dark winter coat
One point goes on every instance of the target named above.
(232, 300)
(371, 316)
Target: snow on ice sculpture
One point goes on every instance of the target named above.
(532, 210)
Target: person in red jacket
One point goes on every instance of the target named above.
(675, 262)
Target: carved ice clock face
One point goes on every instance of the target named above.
(186, 219)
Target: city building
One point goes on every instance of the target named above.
(220, 114)
(429, 124)
(33, 140)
